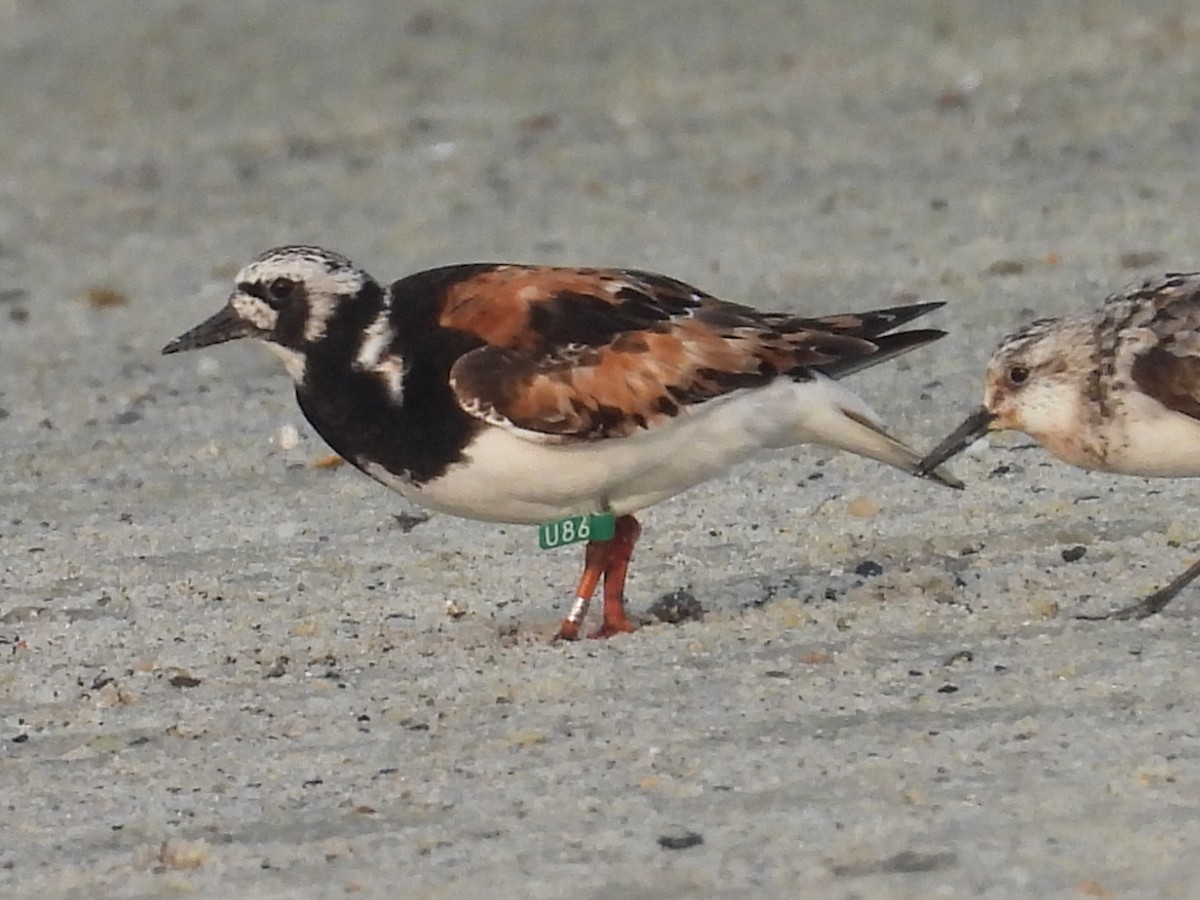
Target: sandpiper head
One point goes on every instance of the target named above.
(1033, 380)
(286, 299)
(1033, 384)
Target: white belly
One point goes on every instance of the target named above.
(510, 478)
(1154, 441)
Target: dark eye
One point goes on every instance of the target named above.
(1018, 374)
(280, 291)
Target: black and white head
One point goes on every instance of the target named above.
(289, 298)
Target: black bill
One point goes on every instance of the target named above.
(217, 329)
(972, 429)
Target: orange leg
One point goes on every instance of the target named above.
(609, 559)
(619, 554)
(595, 563)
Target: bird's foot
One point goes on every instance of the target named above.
(1143, 609)
(612, 629)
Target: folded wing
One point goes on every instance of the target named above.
(588, 353)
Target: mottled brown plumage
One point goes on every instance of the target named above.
(599, 353)
(1116, 391)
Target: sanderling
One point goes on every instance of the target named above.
(1118, 391)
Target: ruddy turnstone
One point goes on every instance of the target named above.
(1118, 391)
(524, 394)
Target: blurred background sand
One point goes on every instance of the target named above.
(224, 672)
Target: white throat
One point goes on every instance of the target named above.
(293, 360)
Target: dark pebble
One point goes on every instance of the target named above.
(868, 568)
(1139, 259)
(681, 840)
(1007, 267)
(676, 607)
(1074, 554)
(407, 523)
(905, 861)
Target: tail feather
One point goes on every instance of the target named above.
(871, 328)
(888, 346)
(873, 323)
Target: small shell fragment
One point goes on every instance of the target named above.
(288, 437)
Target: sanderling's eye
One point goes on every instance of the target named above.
(280, 291)
(1018, 374)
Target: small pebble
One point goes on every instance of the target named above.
(1139, 259)
(184, 679)
(1007, 267)
(680, 840)
(863, 507)
(105, 298)
(677, 607)
(406, 522)
(207, 366)
(288, 437)
(128, 417)
(868, 568)
(177, 853)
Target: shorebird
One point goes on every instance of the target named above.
(1117, 391)
(532, 394)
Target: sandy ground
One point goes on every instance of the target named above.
(226, 673)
